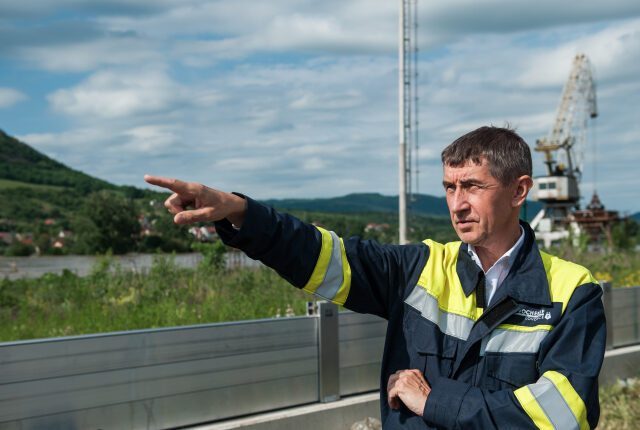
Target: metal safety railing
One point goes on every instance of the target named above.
(622, 310)
(166, 378)
(174, 377)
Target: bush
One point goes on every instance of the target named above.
(213, 254)
(19, 249)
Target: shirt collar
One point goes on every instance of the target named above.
(506, 257)
(527, 282)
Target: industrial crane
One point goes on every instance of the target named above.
(564, 153)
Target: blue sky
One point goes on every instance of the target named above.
(299, 98)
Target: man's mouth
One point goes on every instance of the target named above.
(464, 223)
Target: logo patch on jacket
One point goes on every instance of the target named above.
(531, 315)
(536, 315)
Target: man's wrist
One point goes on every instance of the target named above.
(444, 401)
(239, 210)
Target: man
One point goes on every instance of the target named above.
(484, 333)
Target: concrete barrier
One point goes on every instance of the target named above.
(620, 363)
(337, 415)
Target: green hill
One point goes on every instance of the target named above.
(20, 162)
(34, 187)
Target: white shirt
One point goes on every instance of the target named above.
(500, 269)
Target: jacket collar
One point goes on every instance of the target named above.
(526, 281)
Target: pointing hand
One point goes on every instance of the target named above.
(208, 204)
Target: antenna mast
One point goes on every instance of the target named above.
(408, 92)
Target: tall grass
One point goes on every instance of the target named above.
(622, 268)
(620, 405)
(113, 299)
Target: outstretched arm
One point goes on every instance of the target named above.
(207, 204)
(361, 275)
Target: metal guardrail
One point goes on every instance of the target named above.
(173, 377)
(622, 309)
(167, 378)
(158, 378)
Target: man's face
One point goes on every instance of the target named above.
(480, 206)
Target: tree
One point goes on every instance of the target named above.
(175, 237)
(19, 249)
(623, 234)
(115, 220)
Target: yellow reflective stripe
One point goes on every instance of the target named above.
(551, 400)
(343, 292)
(532, 408)
(448, 323)
(440, 279)
(321, 265)
(524, 328)
(570, 396)
(563, 277)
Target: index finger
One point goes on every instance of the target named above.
(175, 185)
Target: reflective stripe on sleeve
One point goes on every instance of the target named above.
(553, 403)
(531, 407)
(331, 278)
(574, 401)
(514, 340)
(451, 324)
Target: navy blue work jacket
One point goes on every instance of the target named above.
(529, 360)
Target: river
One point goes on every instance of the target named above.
(34, 267)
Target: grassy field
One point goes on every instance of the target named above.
(112, 299)
(8, 183)
(620, 405)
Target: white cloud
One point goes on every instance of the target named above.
(612, 51)
(10, 96)
(151, 139)
(299, 98)
(80, 56)
(111, 94)
(75, 148)
(43, 8)
(200, 33)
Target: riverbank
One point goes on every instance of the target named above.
(81, 265)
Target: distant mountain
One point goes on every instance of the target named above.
(364, 202)
(20, 162)
(636, 216)
(373, 202)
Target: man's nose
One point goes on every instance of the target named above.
(458, 201)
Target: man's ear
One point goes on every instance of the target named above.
(521, 189)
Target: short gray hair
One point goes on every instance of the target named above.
(508, 154)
